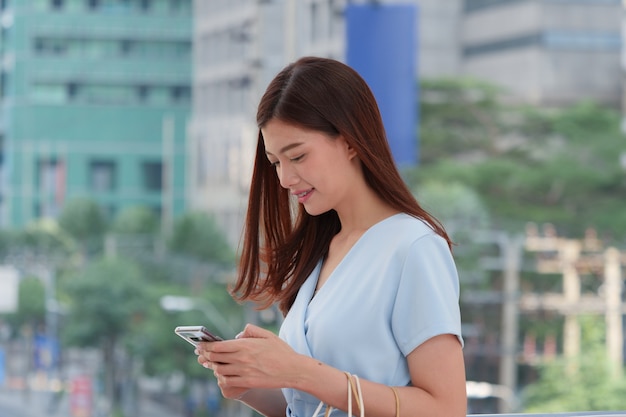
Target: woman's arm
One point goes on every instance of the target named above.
(260, 362)
(438, 384)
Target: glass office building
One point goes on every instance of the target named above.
(95, 99)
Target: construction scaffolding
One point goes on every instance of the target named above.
(543, 251)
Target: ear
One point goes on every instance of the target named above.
(350, 151)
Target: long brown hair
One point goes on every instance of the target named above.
(281, 245)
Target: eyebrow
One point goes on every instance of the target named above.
(286, 148)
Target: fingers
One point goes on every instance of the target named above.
(202, 360)
(225, 373)
(255, 331)
(208, 357)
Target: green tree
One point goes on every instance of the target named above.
(31, 304)
(541, 165)
(84, 220)
(198, 235)
(458, 206)
(591, 381)
(107, 301)
(458, 117)
(156, 338)
(138, 220)
(43, 238)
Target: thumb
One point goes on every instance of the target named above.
(254, 331)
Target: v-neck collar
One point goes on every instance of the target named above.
(314, 278)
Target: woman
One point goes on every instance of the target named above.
(363, 274)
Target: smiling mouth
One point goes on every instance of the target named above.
(304, 193)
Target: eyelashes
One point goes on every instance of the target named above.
(274, 164)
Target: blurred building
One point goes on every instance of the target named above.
(231, 52)
(545, 52)
(96, 95)
(239, 46)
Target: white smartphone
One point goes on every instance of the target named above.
(196, 334)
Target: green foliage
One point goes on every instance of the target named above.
(43, 237)
(83, 219)
(156, 338)
(197, 235)
(457, 115)
(527, 164)
(592, 383)
(136, 220)
(31, 307)
(107, 299)
(113, 303)
(456, 205)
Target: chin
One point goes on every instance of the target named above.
(313, 211)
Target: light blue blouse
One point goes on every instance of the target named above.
(396, 288)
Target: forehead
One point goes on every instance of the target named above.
(277, 134)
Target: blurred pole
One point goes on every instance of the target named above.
(167, 167)
(290, 31)
(570, 252)
(511, 252)
(614, 326)
(52, 314)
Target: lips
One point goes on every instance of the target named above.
(303, 195)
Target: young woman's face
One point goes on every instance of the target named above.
(317, 169)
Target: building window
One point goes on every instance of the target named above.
(84, 47)
(181, 94)
(102, 175)
(48, 46)
(558, 40)
(72, 90)
(47, 177)
(583, 40)
(152, 175)
(50, 186)
(475, 5)
(49, 93)
(533, 39)
(108, 94)
(142, 93)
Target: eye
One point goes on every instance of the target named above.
(297, 158)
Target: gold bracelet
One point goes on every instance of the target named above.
(354, 390)
(395, 394)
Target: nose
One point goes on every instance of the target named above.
(287, 176)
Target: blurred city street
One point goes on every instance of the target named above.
(19, 403)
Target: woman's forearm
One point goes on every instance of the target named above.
(268, 402)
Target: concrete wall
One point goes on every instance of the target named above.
(545, 51)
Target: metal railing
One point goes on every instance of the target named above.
(570, 414)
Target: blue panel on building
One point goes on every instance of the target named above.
(2, 367)
(382, 47)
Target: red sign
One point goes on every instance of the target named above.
(81, 396)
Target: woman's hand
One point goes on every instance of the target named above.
(257, 358)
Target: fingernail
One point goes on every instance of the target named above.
(196, 352)
(206, 365)
(239, 335)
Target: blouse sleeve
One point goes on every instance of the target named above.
(427, 300)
